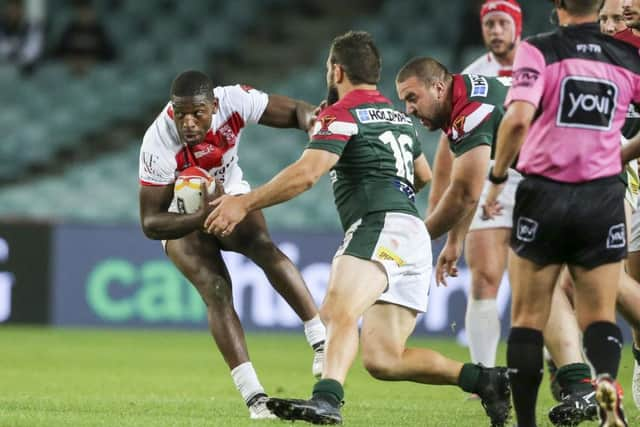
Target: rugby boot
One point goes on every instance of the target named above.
(316, 410)
(609, 397)
(495, 394)
(574, 409)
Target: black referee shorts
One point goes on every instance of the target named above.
(578, 224)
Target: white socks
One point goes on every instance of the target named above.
(246, 381)
(483, 330)
(315, 332)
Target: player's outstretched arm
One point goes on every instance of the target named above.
(442, 163)
(157, 223)
(285, 112)
(291, 181)
(461, 197)
(421, 173)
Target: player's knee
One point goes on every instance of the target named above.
(215, 292)
(333, 314)
(484, 284)
(380, 364)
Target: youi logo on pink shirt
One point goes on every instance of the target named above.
(587, 103)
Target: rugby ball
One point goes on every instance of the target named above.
(187, 189)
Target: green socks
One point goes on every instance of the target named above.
(330, 390)
(574, 378)
(469, 376)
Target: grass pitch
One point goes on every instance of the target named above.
(80, 377)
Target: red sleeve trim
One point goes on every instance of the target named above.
(152, 184)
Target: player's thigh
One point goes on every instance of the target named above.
(385, 330)
(197, 256)
(397, 247)
(565, 283)
(354, 285)
(250, 237)
(596, 292)
(532, 291)
(486, 255)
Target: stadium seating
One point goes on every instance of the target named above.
(150, 39)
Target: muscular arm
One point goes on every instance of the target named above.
(293, 180)
(421, 173)
(462, 194)
(442, 164)
(285, 112)
(459, 231)
(511, 133)
(157, 223)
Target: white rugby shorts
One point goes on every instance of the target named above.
(401, 244)
(507, 200)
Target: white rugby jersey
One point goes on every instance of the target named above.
(163, 156)
(488, 65)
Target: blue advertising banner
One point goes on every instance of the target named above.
(114, 276)
(24, 272)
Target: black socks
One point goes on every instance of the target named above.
(524, 360)
(602, 345)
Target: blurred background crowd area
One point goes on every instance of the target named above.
(81, 80)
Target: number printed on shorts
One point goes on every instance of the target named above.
(401, 148)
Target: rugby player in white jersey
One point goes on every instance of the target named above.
(201, 126)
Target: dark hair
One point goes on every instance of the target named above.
(358, 55)
(425, 69)
(192, 83)
(582, 7)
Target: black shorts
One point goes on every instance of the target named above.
(577, 224)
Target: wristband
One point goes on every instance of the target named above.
(497, 179)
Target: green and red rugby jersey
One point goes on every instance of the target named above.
(377, 145)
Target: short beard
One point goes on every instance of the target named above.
(507, 51)
(332, 95)
(441, 119)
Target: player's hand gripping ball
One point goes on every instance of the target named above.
(187, 189)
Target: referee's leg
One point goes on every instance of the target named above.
(595, 301)
(532, 290)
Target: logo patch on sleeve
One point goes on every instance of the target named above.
(587, 103)
(479, 85)
(525, 77)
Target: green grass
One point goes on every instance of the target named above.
(82, 377)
